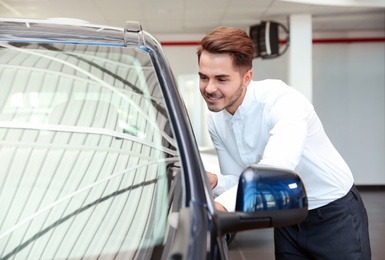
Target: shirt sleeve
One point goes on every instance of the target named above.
(288, 119)
(231, 177)
(228, 198)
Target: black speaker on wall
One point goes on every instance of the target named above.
(266, 39)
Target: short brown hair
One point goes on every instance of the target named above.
(233, 41)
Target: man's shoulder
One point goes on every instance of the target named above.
(269, 89)
(269, 93)
(268, 83)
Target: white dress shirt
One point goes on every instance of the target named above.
(277, 126)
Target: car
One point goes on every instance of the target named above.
(98, 156)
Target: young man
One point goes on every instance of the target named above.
(267, 122)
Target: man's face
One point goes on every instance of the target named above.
(221, 85)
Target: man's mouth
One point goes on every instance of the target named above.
(212, 98)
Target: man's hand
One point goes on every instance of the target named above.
(220, 207)
(213, 179)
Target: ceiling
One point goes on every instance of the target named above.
(200, 16)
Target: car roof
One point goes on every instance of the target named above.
(69, 30)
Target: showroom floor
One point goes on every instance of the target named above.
(259, 244)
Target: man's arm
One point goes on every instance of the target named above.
(229, 168)
(289, 119)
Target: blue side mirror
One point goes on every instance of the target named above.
(263, 189)
(267, 197)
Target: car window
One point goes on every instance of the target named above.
(88, 161)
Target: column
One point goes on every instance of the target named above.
(300, 54)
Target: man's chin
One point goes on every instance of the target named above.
(214, 108)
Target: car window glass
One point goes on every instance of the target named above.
(88, 157)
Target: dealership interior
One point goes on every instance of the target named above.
(331, 50)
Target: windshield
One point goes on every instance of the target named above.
(87, 155)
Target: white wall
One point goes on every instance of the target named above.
(348, 95)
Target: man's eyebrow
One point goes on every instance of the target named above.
(222, 76)
(216, 76)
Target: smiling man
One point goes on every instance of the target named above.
(270, 123)
(216, 75)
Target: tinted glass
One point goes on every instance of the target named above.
(87, 155)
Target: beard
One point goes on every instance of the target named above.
(233, 99)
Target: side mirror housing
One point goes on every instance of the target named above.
(280, 193)
(267, 197)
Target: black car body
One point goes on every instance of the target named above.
(99, 160)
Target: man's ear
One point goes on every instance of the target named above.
(248, 77)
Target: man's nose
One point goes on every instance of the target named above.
(210, 87)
